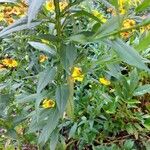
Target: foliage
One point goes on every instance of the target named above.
(75, 74)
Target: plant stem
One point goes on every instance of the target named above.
(57, 17)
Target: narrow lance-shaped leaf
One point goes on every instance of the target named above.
(68, 56)
(144, 43)
(62, 94)
(54, 139)
(144, 5)
(33, 9)
(43, 47)
(128, 54)
(141, 90)
(18, 28)
(45, 77)
(49, 127)
(7, 1)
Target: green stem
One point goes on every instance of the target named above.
(124, 30)
(58, 18)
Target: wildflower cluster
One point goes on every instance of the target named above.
(128, 23)
(9, 13)
(8, 62)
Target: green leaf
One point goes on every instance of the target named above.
(133, 101)
(145, 4)
(128, 54)
(7, 1)
(130, 128)
(83, 37)
(128, 145)
(134, 79)
(18, 28)
(147, 123)
(54, 139)
(43, 47)
(107, 4)
(73, 130)
(110, 26)
(78, 13)
(34, 8)
(48, 37)
(147, 145)
(45, 77)
(49, 127)
(144, 43)
(68, 56)
(24, 98)
(70, 102)
(142, 90)
(3, 85)
(62, 94)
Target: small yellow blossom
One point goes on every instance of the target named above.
(77, 74)
(8, 62)
(10, 21)
(125, 35)
(49, 6)
(99, 16)
(144, 28)
(128, 23)
(63, 5)
(16, 10)
(122, 6)
(48, 103)
(42, 58)
(104, 81)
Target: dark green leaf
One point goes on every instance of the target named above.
(45, 77)
(62, 94)
(141, 90)
(68, 56)
(128, 54)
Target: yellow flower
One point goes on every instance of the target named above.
(125, 35)
(63, 5)
(99, 16)
(104, 81)
(77, 74)
(11, 63)
(45, 41)
(16, 10)
(48, 103)
(128, 23)
(1, 16)
(42, 58)
(145, 28)
(49, 6)
(122, 11)
(10, 21)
